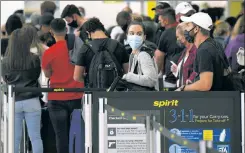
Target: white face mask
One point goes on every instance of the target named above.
(135, 41)
(240, 56)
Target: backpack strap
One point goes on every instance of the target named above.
(227, 68)
(111, 49)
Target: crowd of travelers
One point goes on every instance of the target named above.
(182, 48)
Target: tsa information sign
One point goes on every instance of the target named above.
(210, 116)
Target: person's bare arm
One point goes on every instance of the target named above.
(204, 84)
(47, 72)
(79, 73)
(125, 68)
(159, 56)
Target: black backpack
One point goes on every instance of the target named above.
(232, 81)
(104, 67)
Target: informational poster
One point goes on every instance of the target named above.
(209, 116)
(197, 122)
(125, 136)
(220, 137)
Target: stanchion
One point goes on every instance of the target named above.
(153, 136)
(11, 113)
(105, 128)
(88, 122)
(204, 146)
(148, 134)
(102, 135)
(243, 121)
(5, 124)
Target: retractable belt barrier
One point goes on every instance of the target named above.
(149, 121)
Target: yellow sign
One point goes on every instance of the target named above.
(208, 135)
(150, 5)
(235, 8)
(166, 103)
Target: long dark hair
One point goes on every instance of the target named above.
(18, 53)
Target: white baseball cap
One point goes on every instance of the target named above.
(183, 8)
(201, 19)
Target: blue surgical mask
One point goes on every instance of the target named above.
(135, 41)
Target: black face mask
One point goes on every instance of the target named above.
(156, 18)
(180, 44)
(190, 38)
(73, 24)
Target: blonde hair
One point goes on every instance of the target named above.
(137, 17)
(221, 29)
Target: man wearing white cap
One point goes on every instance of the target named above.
(208, 64)
(184, 9)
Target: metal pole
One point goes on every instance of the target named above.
(101, 126)
(158, 141)
(88, 123)
(243, 121)
(5, 123)
(148, 135)
(202, 146)
(11, 113)
(86, 120)
(142, 7)
(153, 137)
(105, 128)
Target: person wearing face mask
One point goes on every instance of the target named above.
(75, 20)
(142, 67)
(183, 9)
(210, 55)
(96, 32)
(161, 6)
(168, 50)
(184, 69)
(44, 22)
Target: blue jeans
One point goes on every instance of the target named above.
(30, 110)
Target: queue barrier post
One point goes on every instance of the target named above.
(243, 121)
(148, 134)
(102, 129)
(88, 122)
(204, 146)
(11, 114)
(5, 124)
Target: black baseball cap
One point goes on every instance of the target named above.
(161, 6)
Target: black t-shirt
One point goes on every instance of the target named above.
(168, 45)
(85, 56)
(158, 34)
(208, 60)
